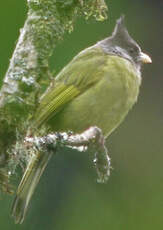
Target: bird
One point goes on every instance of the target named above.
(97, 88)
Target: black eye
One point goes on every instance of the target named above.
(133, 50)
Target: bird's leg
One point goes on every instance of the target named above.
(92, 140)
(101, 160)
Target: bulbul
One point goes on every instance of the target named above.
(97, 88)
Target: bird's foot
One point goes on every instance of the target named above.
(93, 140)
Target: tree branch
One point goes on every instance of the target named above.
(92, 140)
(45, 25)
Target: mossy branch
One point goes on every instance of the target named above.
(46, 23)
(91, 139)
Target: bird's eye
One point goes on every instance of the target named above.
(133, 50)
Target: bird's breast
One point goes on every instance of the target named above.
(106, 103)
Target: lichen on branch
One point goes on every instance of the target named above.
(91, 139)
(46, 23)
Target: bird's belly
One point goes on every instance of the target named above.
(104, 105)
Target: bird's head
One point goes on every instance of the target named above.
(122, 44)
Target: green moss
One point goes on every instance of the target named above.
(45, 25)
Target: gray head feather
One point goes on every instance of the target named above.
(121, 43)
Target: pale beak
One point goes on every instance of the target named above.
(144, 58)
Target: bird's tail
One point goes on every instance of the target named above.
(28, 184)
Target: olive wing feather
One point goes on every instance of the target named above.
(78, 76)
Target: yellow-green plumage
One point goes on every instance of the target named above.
(90, 94)
(28, 183)
(97, 88)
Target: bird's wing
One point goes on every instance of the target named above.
(79, 75)
(51, 105)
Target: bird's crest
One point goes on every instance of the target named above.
(120, 31)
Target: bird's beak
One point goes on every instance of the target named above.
(144, 58)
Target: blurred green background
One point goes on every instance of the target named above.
(68, 197)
